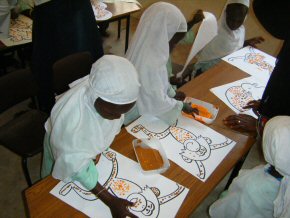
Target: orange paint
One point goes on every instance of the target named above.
(149, 158)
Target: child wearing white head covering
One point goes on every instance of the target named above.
(76, 132)
(149, 53)
(84, 122)
(226, 42)
(265, 190)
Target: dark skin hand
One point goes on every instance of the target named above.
(241, 122)
(118, 206)
(175, 81)
(179, 96)
(254, 41)
(254, 105)
(189, 110)
(180, 81)
(197, 17)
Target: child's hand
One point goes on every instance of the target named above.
(175, 81)
(119, 208)
(254, 105)
(254, 41)
(180, 96)
(189, 110)
(241, 122)
(198, 16)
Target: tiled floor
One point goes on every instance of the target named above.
(12, 180)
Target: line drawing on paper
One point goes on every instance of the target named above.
(239, 96)
(147, 199)
(256, 59)
(196, 149)
(20, 29)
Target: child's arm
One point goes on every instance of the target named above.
(197, 17)
(118, 206)
(254, 41)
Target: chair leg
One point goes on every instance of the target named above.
(25, 170)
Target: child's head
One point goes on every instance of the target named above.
(111, 111)
(236, 13)
(114, 86)
(276, 144)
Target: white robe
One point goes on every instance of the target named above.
(255, 193)
(77, 132)
(149, 53)
(226, 42)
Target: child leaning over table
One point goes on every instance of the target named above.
(160, 27)
(265, 190)
(230, 37)
(83, 124)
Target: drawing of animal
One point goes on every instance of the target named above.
(195, 148)
(147, 200)
(255, 58)
(239, 96)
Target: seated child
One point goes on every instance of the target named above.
(265, 190)
(230, 38)
(160, 27)
(84, 122)
(274, 101)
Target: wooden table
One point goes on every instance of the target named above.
(122, 10)
(42, 204)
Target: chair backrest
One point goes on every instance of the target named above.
(16, 87)
(69, 69)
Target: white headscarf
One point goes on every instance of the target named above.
(276, 148)
(77, 132)
(149, 53)
(227, 40)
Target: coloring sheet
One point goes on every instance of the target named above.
(153, 195)
(253, 62)
(193, 146)
(20, 31)
(100, 11)
(237, 94)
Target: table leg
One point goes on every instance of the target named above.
(236, 170)
(127, 32)
(119, 28)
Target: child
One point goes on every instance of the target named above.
(230, 38)
(84, 122)
(161, 25)
(275, 100)
(265, 190)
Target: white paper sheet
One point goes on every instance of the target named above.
(193, 146)
(157, 195)
(100, 11)
(237, 94)
(20, 31)
(206, 32)
(252, 61)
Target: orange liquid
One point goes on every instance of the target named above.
(149, 158)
